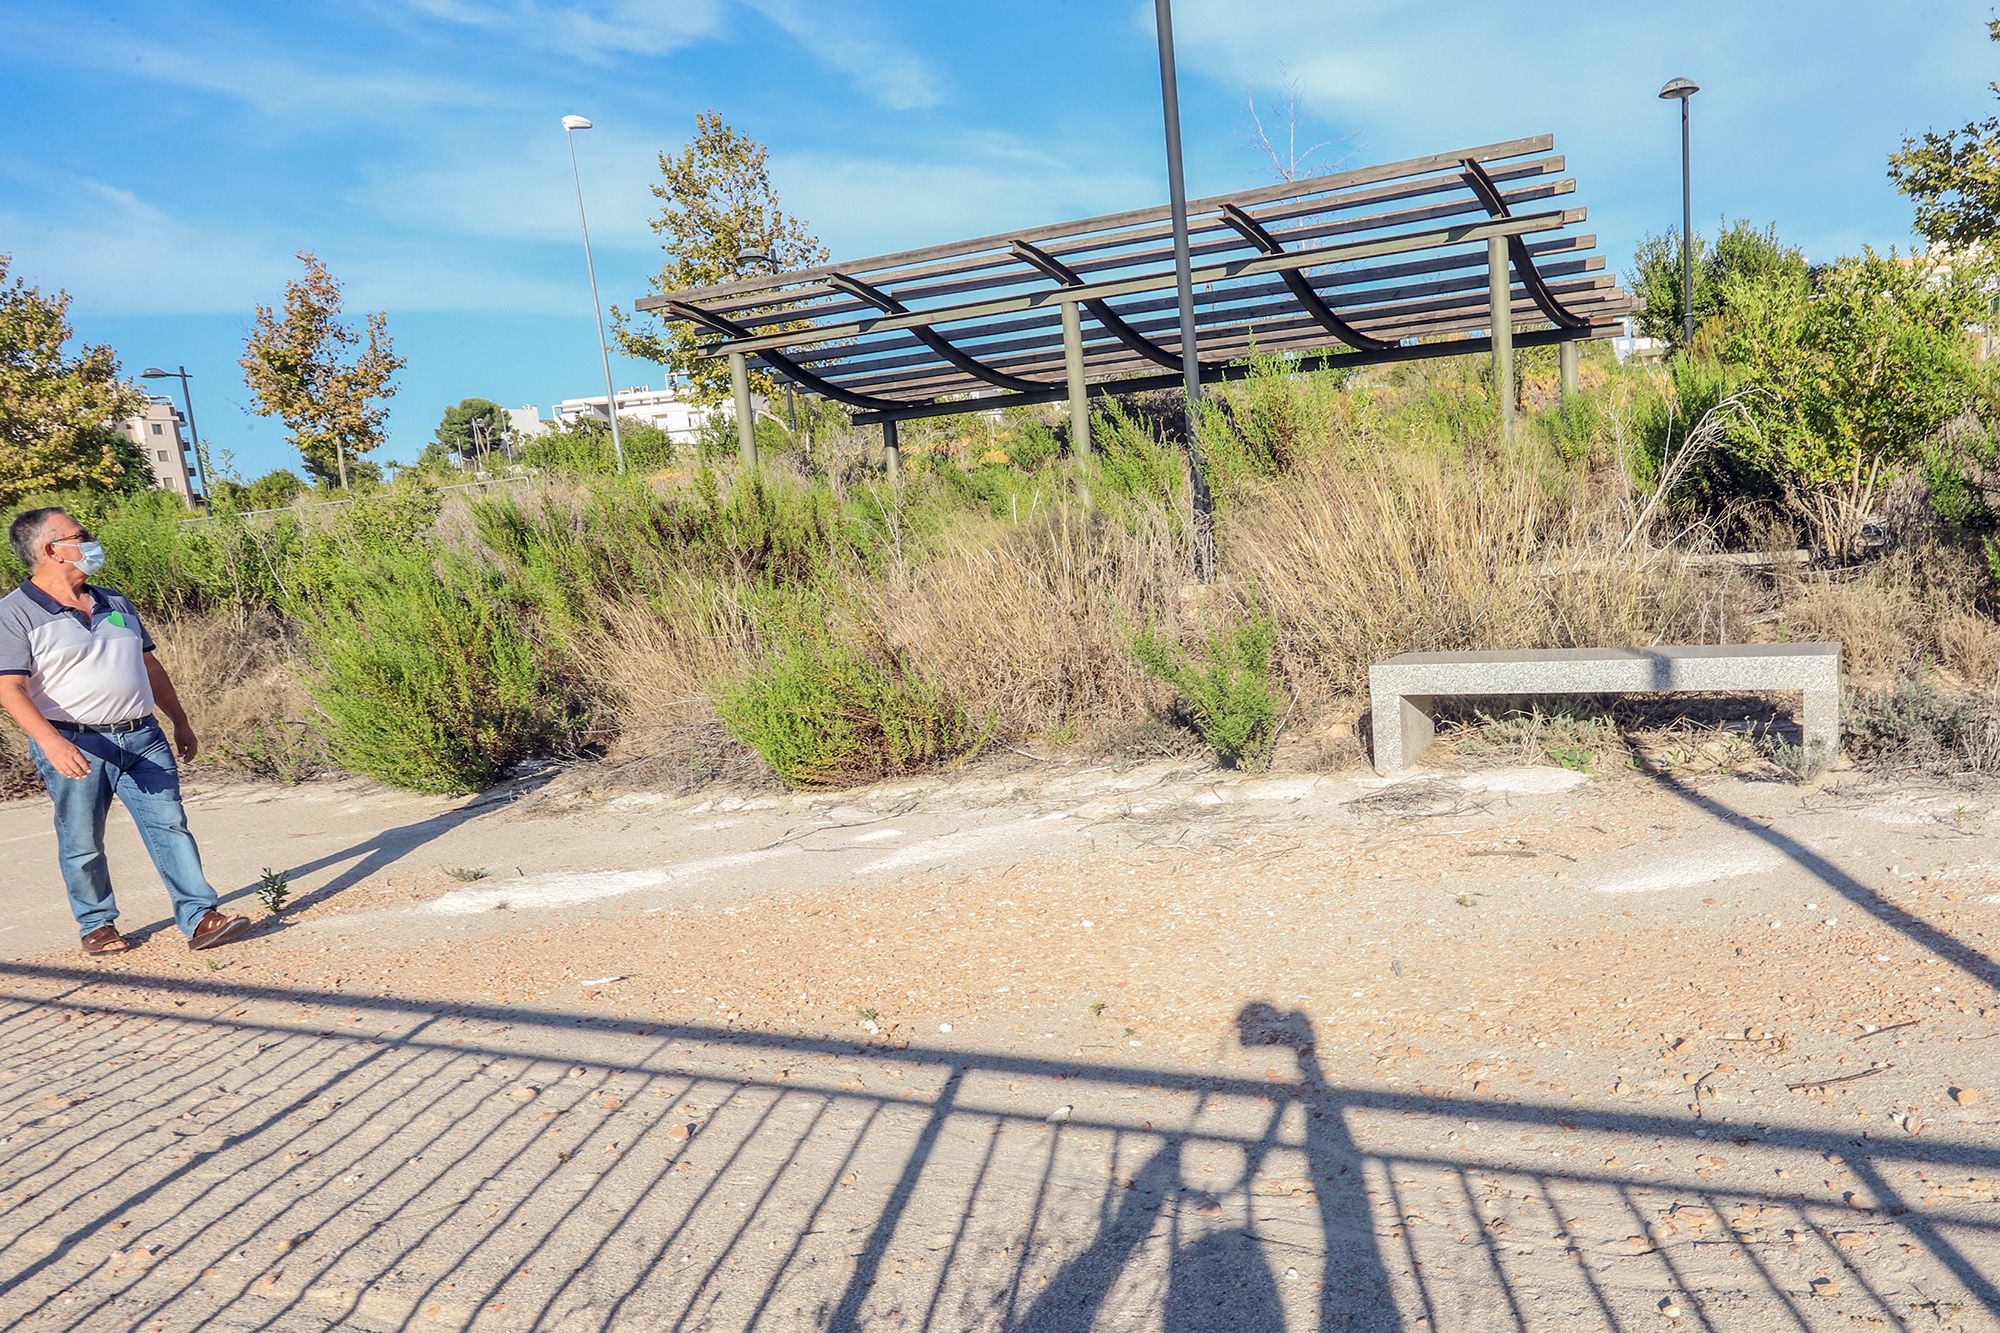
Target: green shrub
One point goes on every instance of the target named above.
(1227, 695)
(1911, 716)
(423, 672)
(825, 714)
(583, 448)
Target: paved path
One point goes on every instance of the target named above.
(279, 1147)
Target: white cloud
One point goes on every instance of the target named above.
(966, 187)
(451, 185)
(595, 32)
(844, 35)
(210, 58)
(118, 254)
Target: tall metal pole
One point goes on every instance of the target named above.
(1170, 100)
(1687, 233)
(590, 266)
(194, 434)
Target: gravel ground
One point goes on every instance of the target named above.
(1056, 1048)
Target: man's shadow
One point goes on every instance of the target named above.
(1221, 1281)
(371, 855)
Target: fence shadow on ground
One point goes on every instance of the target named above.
(263, 1157)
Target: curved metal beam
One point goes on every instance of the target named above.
(779, 362)
(1113, 323)
(931, 338)
(1488, 195)
(1301, 288)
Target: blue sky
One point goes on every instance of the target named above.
(162, 162)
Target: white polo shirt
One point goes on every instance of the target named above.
(86, 669)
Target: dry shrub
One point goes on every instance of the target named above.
(1913, 608)
(17, 773)
(1027, 623)
(1969, 643)
(648, 665)
(1361, 560)
(234, 673)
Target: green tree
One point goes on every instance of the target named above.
(56, 407)
(474, 428)
(1953, 178)
(1740, 252)
(1850, 374)
(274, 490)
(298, 368)
(716, 204)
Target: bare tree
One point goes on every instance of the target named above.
(1287, 160)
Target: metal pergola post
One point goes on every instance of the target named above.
(746, 411)
(892, 451)
(1079, 390)
(1500, 307)
(1567, 355)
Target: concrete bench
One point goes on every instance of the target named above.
(1401, 689)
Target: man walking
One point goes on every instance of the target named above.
(78, 675)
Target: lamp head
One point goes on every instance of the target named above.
(155, 373)
(749, 257)
(1679, 90)
(575, 123)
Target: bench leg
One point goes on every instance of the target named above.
(1821, 723)
(1403, 730)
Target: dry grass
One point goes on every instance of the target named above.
(1028, 625)
(1912, 610)
(235, 673)
(650, 664)
(1361, 561)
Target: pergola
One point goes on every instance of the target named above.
(1445, 255)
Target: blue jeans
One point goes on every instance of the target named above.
(138, 767)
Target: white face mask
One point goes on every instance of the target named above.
(90, 556)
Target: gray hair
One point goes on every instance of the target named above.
(25, 534)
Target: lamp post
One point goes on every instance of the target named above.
(187, 400)
(758, 259)
(1681, 90)
(1170, 106)
(571, 124)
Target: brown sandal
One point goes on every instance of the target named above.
(105, 939)
(215, 928)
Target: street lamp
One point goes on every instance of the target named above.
(1680, 90)
(571, 124)
(761, 260)
(181, 373)
(1170, 105)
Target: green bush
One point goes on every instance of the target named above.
(583, 448)
(824, 714)
(423, 672)
(1227, 695)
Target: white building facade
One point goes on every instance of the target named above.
(157, 431)
(664, 409)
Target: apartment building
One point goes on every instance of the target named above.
(157, 431)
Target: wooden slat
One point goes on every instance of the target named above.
(1244, 198)
(1329, 285)
(959, 270)
(1401, 244)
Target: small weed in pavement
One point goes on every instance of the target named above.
(274, 890)
(467, 874)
